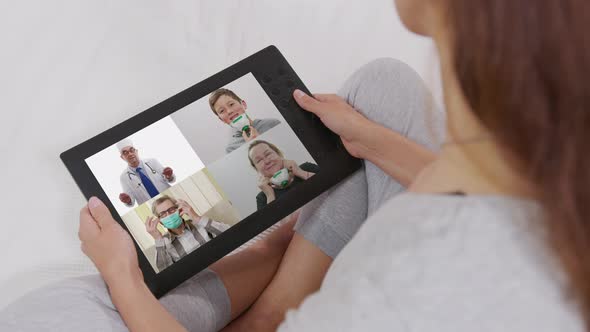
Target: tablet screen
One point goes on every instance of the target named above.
(183, 180)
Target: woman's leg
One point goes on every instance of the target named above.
(389, 92)
(386, 91)
(205, 302)
(84, 304)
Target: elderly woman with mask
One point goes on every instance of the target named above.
(277, 175)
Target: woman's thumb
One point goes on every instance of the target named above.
(307, 102)
(100, 212)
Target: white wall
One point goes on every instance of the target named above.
(239, 180)
(162, 141)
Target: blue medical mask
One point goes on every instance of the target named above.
(172, 221)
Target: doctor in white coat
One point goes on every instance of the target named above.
(142, 179)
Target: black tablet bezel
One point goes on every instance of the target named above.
(279, 80)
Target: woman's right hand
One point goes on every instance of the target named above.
(339, 117)
(264, 185)
(151, 226)
(108, 245)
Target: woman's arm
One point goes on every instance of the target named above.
(399, 157)
(140, 310)
(111, 249)
(396, 155)
(299, 274)
(254, 267)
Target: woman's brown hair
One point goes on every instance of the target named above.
(524, 67)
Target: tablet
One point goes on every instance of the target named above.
(207, 170)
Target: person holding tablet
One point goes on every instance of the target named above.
(277, 175)
(183, 236)
(492, 234)
(231, 110)
(216, 297)
(142, 179)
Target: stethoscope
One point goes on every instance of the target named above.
(133, 173)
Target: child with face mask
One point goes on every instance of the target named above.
(231, 110)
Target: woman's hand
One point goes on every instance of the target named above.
(339, 117)
(266, 187)
(107, 244)
(264, 184)
(395, 154)
(151, 226)
(295, 169)
(185, 208)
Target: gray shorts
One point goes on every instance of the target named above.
(84, 304)
(386, 91)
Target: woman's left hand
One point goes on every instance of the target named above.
(295, 169)
(107, 244)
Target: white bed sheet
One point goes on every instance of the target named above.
(73, 68)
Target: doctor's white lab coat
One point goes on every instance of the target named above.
(132, 185)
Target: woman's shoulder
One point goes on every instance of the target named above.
(260, 200)
(260, 195)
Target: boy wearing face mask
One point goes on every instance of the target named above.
(231, 109)
(183, 236)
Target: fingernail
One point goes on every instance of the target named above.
(299, 93)
(94, 202)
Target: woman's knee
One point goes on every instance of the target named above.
(379, 77)
(200, 303)
(390, 92)
(73, 304)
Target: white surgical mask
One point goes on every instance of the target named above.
(241, 123)
(281, 178)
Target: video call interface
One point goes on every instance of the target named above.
(185, 179)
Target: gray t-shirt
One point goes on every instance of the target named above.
(443, 263)
(261, 125)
